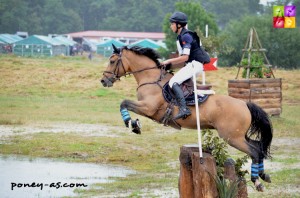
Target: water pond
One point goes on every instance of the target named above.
(25, 177)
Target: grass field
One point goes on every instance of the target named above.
(42, 91)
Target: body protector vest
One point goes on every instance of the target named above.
(196, 52)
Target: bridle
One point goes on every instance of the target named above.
(116, 73)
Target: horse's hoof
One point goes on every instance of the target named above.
(267, 178)
(260, 188)
(136, 126)
(136, 131)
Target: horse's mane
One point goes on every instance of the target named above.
(150, 53)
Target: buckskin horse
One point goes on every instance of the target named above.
(244, 125)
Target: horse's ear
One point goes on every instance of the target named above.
(116, 50)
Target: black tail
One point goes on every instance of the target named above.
(261, 130)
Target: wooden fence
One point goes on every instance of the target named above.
(266, 93)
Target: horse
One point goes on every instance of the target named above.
(244, 125)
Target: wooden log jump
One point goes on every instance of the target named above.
(229, 173)
(197, 180)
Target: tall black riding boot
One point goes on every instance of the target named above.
(184, 112)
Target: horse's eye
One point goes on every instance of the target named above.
(112, 62)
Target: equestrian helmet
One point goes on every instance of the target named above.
(179, 17)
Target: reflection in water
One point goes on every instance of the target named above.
(22, 177)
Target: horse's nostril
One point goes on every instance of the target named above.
(102, 81)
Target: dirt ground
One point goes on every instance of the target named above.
(82, 129)
(112, 131)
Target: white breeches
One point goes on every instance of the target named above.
(186, 72)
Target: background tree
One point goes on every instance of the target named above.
(58, 19)
(227, 10)
(142, 16)
(283, 48)
(12, 17)
(64, 16)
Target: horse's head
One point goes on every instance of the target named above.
(125, 61)
(115, 68)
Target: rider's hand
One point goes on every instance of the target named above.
(165, 65)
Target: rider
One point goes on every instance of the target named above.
(190, 53)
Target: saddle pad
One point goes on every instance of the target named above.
(190, 99)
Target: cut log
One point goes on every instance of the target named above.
(185, 186)
(196, 179)
(204, 176)
(229, 173)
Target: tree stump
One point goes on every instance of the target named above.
(229, 173)
(196, 180)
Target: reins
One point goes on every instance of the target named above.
(129, 73)
(156, 82)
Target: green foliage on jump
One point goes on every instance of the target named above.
(218, 148)
(226, 188)
(256, 65)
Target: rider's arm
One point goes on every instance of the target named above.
(187, 40)
(176, 61)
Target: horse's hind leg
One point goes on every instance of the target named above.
(261, 172)
(257, 167)
(255, 174)
(251, 148)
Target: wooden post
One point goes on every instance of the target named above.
(185, 186)
(196, 180)
(204, 176)
(229, 170)
(229, 173)
(249, 53)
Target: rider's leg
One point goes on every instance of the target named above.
(184, 111)
(182, 75)
(186, 72)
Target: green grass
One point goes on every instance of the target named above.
(292, 159)
(287, 125)
(67, 89)
(54, 109)
(286, 180)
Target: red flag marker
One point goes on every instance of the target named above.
(212, 65)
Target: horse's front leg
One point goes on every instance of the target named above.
(138, 107)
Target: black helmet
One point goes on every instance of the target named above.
(179, 17)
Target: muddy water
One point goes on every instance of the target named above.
(24, 177)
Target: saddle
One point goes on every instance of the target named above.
(187, 87)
